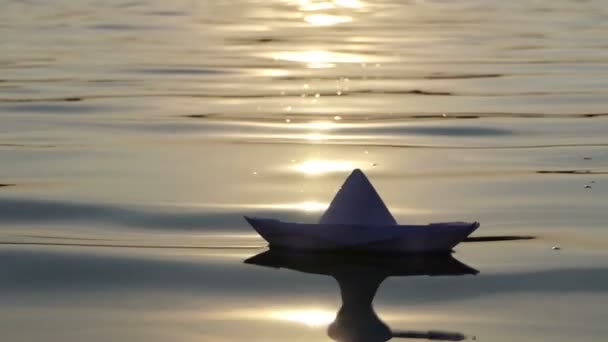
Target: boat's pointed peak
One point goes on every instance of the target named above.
(357, 202)
(357, 172)
(357, 180)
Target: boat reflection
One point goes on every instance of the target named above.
(359, 277)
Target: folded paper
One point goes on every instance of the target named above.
(358, 220)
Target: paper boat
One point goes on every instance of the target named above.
(358, 220)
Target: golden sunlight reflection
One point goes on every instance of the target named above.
(311, 318)
(317, 6)
(320, 125)
(316, 167)
(316, 136)
(312, 206)
(348, 3)
(318, 317)
(272, 72)
(311, 5)
(306, 206)
(326, 19)
(319, 58)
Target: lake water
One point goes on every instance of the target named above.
(135, 134)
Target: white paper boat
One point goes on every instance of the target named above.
(358, 220)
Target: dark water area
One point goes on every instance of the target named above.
(134, 136)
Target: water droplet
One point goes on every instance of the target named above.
(587, 186)
(282, 93)
(288, 120)
(317, 95)
(306, 86)
(288, 108)
(338, 93)
(255, 173)
(366, 152)
(556, 248)
(303, 95)
(337, 118)
(444, 115)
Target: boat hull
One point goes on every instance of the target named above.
(432, 238)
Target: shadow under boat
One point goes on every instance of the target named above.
(359, 276)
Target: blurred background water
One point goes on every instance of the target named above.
(135, 134)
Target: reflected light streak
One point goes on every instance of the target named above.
(318, 167)
(319, 58)
(311, 206)
(320, 125)
(273, 72)
(310, 5)
(307, 6)
(311, 318)
(348, 3)
(307, 206)
(316, 137)
(326, 19)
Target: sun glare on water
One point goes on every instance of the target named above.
(307, 206)
(326, 19)
(319, 58)
(311, 318)
(318, 167)
(320, 125)
(312, 206)
(311, 5)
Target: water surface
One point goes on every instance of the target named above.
(135, 134)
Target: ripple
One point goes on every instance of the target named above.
(498, 238)
(573, 172)
(53, 108)
(28, 145)
(415, 146)
(461, 76)
(119, 245)
(123, 27)
(166, 13)
(180, 71)
(59, 270)
(207, 218)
